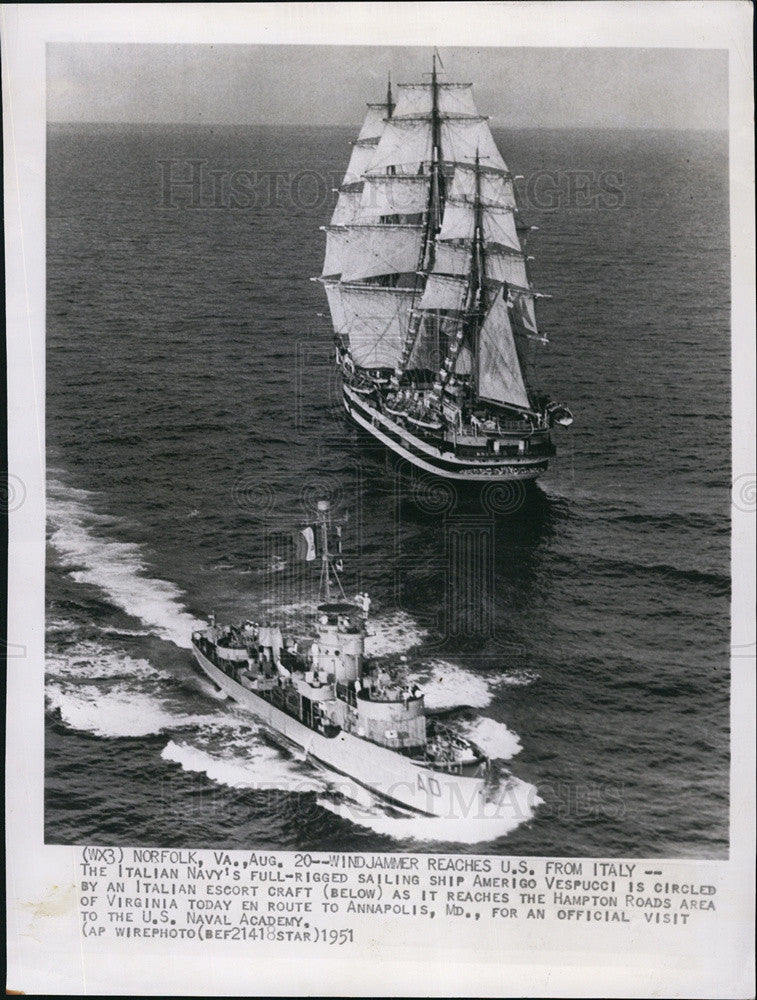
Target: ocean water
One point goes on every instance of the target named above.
(192, 419)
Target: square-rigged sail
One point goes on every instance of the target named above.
(424, 270)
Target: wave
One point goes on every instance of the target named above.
(102, 691)
(257, 767)
(626, 568)
(512, 803)
(118, 713)
(118, 569)
(516, 678)
(61, 625)
(393, 633)
(446, 686)
(716, 522)
(494, 738)
(91, 660)
(129, 632)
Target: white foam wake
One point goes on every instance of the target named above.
(516, 678)
(446, 686)
(117, 568)
(514, 802)
(119, 712)
(103, 691)
(90, 660)
(393, 633)
(494, 738)
(257, 767)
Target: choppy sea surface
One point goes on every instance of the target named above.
(192, 419)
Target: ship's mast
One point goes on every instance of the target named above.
(327, 568)
(477, 274)
(474, 302)
(436, 187)
(434, 213)
(389, 101)
(323, 524)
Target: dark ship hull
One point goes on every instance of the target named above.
(521, 453)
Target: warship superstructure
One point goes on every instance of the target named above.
(321, 695)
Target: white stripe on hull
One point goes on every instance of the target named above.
(481, 472)
(389, 775)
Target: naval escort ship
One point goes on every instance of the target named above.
(356, 718)
(430, 295)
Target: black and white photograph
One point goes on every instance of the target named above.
(386, 445)
(446, 529)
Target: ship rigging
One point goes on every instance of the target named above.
(429, 292)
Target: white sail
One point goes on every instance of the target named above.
(405, 145)
(360, 160)
(336, 307)
(501, 266)
(373, 125)
(425, 352)
(404, 148)
(429, 347)
(347, 205)
(462, 139)
(384, 195)
(444, 293)
(361, 251)
(336, 252)
(415, 99)
(459, 223)
(374, 320)
(496, 188)
(499, 374)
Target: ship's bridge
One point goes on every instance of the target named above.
(341, 635)
(348, 617)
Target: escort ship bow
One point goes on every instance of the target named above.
(349, 715)
(429, 292)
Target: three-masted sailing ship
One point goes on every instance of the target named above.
(429, 292)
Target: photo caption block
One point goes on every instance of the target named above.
(333, 899)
